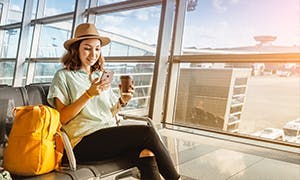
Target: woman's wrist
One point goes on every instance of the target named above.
(88, 94)
(122, 102)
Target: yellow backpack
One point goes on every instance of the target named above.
(34, 143)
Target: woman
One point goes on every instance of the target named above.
(87, 106)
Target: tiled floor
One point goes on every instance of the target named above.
(195, 158)
(203, 158)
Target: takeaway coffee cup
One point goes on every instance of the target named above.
(126, 82)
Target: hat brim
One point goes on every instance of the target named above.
(104, 40)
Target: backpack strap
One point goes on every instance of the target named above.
(59, 149)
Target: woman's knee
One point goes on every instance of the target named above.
(146, 153)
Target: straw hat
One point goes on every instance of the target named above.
(86, 31)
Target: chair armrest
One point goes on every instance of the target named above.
(69, 151)
(138, 118)
(141, 118)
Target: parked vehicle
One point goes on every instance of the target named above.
(292, 131)
(269, 133)
(258, 69)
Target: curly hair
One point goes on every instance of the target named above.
(71, 59)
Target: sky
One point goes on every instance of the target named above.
(231, 23)
(213, 23)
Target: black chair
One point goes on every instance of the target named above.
(37, 93)
(9, 98)
(3, 85)
(124, 165)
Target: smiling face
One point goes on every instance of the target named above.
(89, 53)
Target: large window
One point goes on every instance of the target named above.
(132, 32)
(253, 89)
(260, 99)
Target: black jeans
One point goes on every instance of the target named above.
(110, 142)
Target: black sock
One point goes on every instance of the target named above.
(148, 168)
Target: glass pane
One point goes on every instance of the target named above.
(263, 26)
(133, 33)
(44, 72)
(55, 7)
(142, 74)
(15, 10)
(9, 46)
(52, 38)
(6, 72)
(260, 100)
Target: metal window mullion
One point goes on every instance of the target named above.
(22, 44)
(174, 68)
(161, 61)
(2, 18)
(53, 19)
(123, 6)
(239, 58)
(79, 10)
(30, 72)
(91, 17)
(2, 21)
(33, 53)
(10, 26)
(40, 9)
(110, 59)
(34, 43)
(4, 12)
(7, 59)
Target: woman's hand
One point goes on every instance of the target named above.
(98, 86)
(125, 97)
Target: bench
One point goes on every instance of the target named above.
(35, 94)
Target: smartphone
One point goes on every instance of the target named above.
(107, 75)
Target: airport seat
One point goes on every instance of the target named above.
(3, 85)
(9, 98)
(35, 94)
(18, 94)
